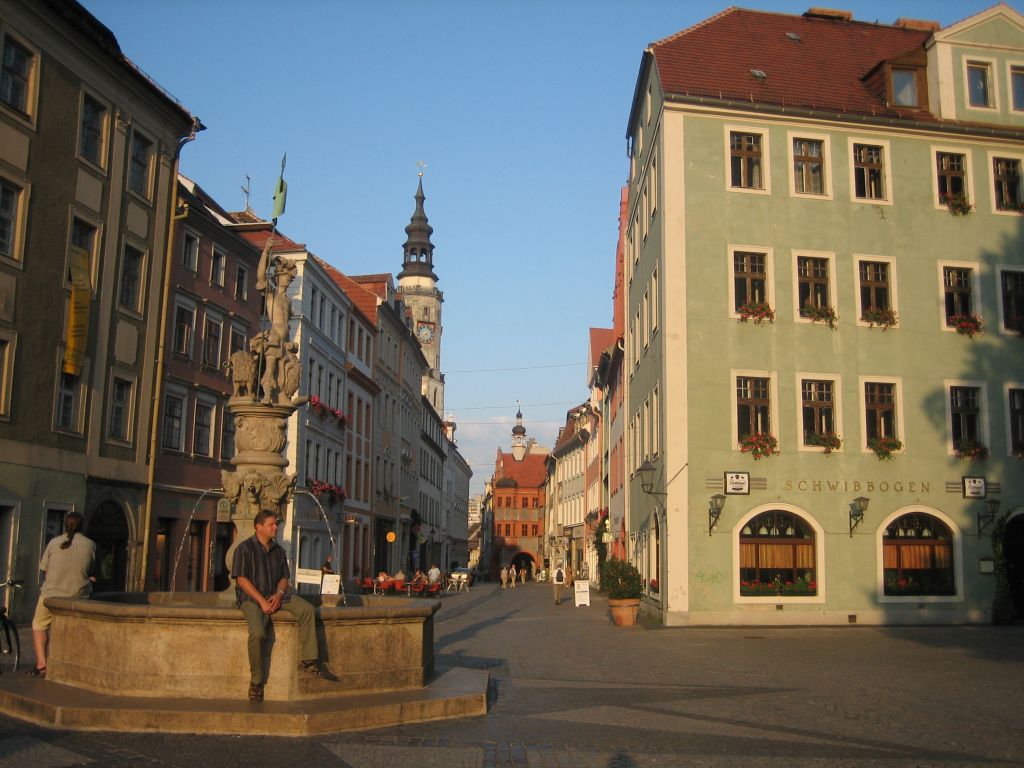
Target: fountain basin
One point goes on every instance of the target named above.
(193, 645)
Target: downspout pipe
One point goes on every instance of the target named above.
(158, 385)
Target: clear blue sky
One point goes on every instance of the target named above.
(519, 110)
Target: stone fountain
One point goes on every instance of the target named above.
(178, 662)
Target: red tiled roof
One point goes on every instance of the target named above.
(600, 340)
(531, 472)
(363, 300)
(378, 284)
(256, 231)
(823, 69)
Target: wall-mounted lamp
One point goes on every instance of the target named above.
(646, 472)
(715, 505)
(985, 518)
(857, 510)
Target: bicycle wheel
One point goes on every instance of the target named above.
(10, 646)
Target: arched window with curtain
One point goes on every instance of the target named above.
(917, 556)
(777, 556)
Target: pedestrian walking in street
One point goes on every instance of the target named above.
(512, 573)
(522, 575)
(557, 582)
(504, 576)
(67, 564)
(261, 575)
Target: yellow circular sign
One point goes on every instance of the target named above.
(391, 537)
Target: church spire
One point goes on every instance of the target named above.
(418, 259)
(519, 437)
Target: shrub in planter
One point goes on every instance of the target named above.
(620, 580)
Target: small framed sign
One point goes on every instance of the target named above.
(223, 511)
(974, 487)
(737, 483)
(331, 584)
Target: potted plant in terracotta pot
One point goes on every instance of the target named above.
(623, 585)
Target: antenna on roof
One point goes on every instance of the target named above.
(246, 188)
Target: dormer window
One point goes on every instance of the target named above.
(979, 92)
(904, 88)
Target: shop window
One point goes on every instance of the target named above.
(777, 556)
(917, 556)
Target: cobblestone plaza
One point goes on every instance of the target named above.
(569, 689)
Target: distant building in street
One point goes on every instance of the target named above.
(518, 503)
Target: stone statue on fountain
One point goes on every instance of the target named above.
(265, 382)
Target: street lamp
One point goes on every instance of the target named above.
(715, 505)
(646, 471)
(857, 510)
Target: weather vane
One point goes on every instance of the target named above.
(246, 190)
(421, 165)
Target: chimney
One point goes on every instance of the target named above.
(831, 14)
(919, 25)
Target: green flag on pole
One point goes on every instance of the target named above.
(280, 192)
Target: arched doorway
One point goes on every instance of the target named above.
(1013, 549)
(523, 560)
(108, 527)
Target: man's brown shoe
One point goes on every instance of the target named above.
(311, 667)
(256, 692)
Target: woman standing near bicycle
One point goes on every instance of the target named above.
(67, 564)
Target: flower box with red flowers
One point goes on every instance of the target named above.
(758, 311)
(829, 441)
(323, 410)
(826, 315)
(966, 325)
(971, 450)
(958, 205)
(803, 586)
(885, 447)
(883, 317)
(330, 492)
(759, 445)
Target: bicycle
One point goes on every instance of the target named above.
(10, 642)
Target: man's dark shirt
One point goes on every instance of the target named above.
(263, 567)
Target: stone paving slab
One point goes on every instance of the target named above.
(567, 689)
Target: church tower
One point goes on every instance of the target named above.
(417, 284)
(519, 445)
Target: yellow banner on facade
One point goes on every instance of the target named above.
(78, 311)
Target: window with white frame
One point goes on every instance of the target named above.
(212, 330)
(655, 421)
(202, 429)
(959, 292)
(227, 436)
(1011, 299)
(92, 129)
(876, 294)
(130, 291)
(184, 327)
(140, 164)
(1015, 418)
(218, 262)
(1017, 87)
(809, 164)
(753, 406)
(654, 300)
(119, 424)
(645, 318)
(190, 250)
(16, 75)
(11, 207)
(1006, 183)
(951, 177)
(173, 426)
(980, 88)
(815, 287)
(8, 342)
(819, 409)
(68, 410)
(870, 171)
(777, 556)
(748, 160)
(882, 419)
(82, 253)
(750, 269)
(965, 408)
(241, 282)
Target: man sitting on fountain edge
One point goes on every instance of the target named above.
(261, 572)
